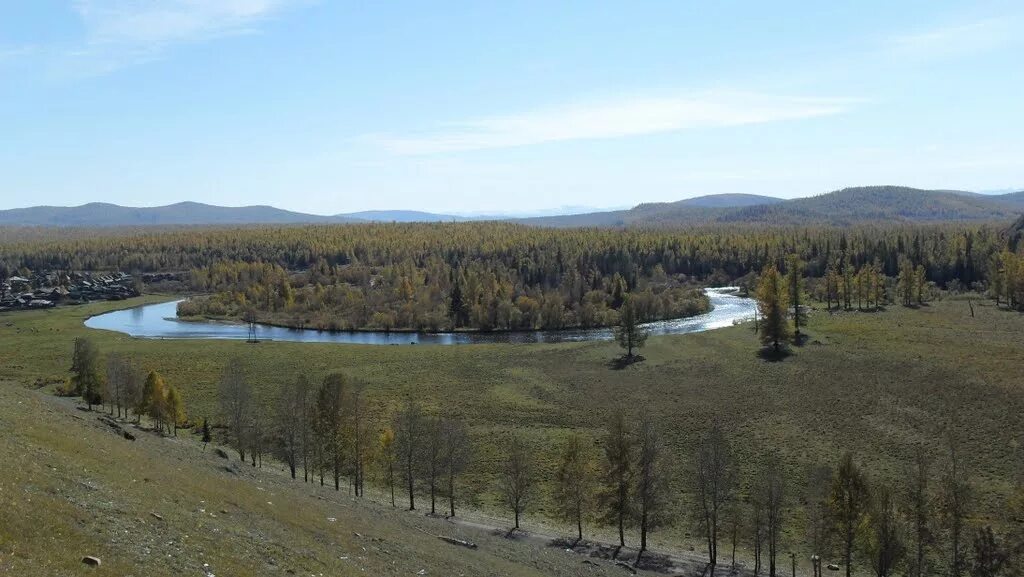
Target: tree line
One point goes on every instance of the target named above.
(502, 275)
(628, 479)
(122, 386)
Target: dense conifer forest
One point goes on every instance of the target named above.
(500, 276)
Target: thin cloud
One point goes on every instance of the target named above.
(966, 38)
(614, 119)
(121, 33)
(161, 22)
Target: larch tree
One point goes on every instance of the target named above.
(432, 462)
(457, 451)
(714, 481)
(516, 481)
(154, 400)
(290, 420)
(617, 475)
(574, 483)
(387, 459)
(120, 383)
(920, 283)
(86, 375)
(905, 282)
(919, 504)
(954, 503)
(885, 546)
(849, 503)
(330, 423)
(818, 483)
(650, 489)
(758, 531)
(175, 409)
(630, 333)
(773, 494)
(408, 429)
(772, 302)
(795, 290)
(359, 433)
(235, 396)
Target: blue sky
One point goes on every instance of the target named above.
(327, 106)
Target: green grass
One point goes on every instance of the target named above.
(70, 487)
(876, 384)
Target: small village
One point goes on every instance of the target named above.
(46, 290)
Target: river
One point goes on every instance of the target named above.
(159, 321)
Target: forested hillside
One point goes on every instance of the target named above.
(859, 205)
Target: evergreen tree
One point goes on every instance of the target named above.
(629, 333)
(772, 303)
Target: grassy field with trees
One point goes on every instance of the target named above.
(883, 386)
(877, 390)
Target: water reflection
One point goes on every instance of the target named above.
(160, 321)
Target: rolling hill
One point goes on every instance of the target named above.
(841, 207)
(182, 213)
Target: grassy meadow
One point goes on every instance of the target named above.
(877, 384)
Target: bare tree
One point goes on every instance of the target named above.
(236, 404)
(758, 531)
(650, 491)
(291, 420)
(516, 480)
(817, 514)
(885, 543)
(457, 451)
(387, 459)
(919, 505)
(408, 428)
(433, 467)
(330, 424)
(617, 476)
(574, 483)
(954, 502)
(773, 494)
(123, 383)
(359, 434)
(714, 482)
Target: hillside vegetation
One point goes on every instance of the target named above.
(859, 205)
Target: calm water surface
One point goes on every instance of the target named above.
(159, 321)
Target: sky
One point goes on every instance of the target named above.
(330, 106)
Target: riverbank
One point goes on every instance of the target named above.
(161, 321)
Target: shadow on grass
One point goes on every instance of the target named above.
(619, 363)
(772, 355)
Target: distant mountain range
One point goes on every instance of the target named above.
(847, 206)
